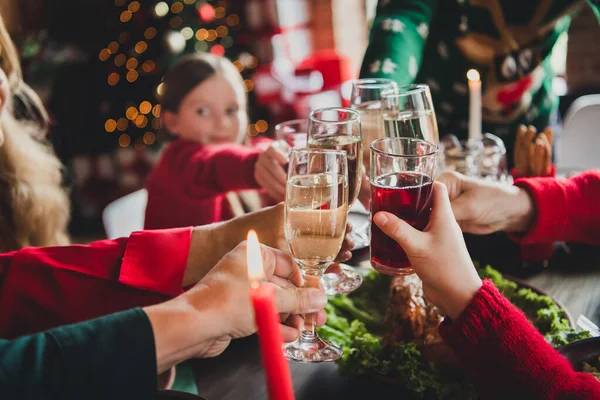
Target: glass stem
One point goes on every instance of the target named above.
(312, 278)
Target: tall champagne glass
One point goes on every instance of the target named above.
(316, 209)
(339, 129)
(294, 134)
(408, 112)
(366, 99)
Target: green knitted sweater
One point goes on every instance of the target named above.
(509, 42)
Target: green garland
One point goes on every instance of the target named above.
(355, 322)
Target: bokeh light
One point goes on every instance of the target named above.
(110, 125)
(124, 140)
(145, 107)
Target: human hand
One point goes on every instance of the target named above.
(211, 242)
(203, 321)
(269, 170)
(269, 226)
(438, 255)
(482, 207)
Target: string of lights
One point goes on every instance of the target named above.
(148, 39)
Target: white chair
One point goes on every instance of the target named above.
(579, 144)
(125, 215)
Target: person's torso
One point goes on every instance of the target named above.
(509, 42)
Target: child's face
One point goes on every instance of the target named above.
(209, 114)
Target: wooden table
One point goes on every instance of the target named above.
(573, 279)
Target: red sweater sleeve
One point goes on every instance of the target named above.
(222, 167)
(42, 288)
(566, 209)
(505, 355)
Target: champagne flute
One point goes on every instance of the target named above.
(294, 133)
(366, 99)
(408, 112)
(316, 209)
(339, 129)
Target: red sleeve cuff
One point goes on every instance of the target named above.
(550, 200)
(156, 260)
(480, 320)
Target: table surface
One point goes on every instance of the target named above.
(573, 279)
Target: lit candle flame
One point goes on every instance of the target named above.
(473, 75)
(254, 258)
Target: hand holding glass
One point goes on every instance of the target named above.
(402, 173)
(316, 208)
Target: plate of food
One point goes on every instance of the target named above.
(584, 355)
(389, 332)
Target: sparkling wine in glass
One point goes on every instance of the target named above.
(408, 112)
(339, 129)
(366, 99)
(402, 173)
(316, 209)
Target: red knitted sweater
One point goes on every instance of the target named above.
(505, 356)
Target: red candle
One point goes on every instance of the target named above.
(277, 372)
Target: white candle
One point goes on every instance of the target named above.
(474, 104)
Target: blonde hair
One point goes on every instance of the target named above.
(34, 207)
(194, 69)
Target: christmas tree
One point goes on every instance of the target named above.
(148, 37)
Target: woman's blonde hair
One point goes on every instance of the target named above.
(34, 207)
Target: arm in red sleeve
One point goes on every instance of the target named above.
(43, 288)
(226, 167)
(505, 355)
(566, 209)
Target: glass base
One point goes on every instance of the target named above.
(343, 283)
(391, 271)
(313, 349)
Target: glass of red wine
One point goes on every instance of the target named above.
(402, 173)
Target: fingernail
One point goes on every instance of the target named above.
(381, 219)
(317, 299)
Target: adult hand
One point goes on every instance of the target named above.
(211, 242)
(269, 170)
(483, 207)
(269, 226)
(203, 321)
(438, 255)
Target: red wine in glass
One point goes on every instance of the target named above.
(408, 196)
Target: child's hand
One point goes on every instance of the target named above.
(438, 254)
(269, 171)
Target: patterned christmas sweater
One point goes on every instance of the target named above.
(510, 43)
